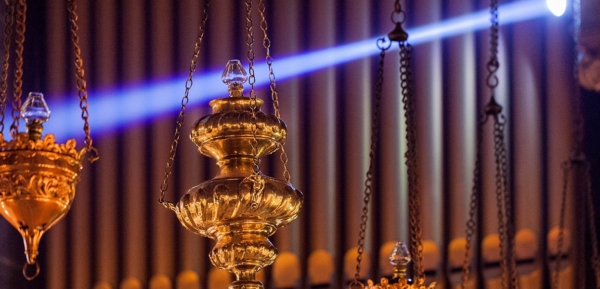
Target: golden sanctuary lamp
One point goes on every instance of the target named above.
(239, 208)
(37, 179)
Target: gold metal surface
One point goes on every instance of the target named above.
(400, 257)
(402, 284)
(37, 185)
(234, 208)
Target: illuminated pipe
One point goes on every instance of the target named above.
(113, 109)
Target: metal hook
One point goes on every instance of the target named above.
(380, 44)
(94, 155)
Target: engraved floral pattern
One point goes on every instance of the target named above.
(37, 184)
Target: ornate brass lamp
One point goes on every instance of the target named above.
(240, 207)
(37, 175)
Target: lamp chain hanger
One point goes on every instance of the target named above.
(505, 219)
(8, 28)
(255, 178)
(406, 78)
(184, 101)
(272, 85)
(81, 83)
(372, 153)
(414, 195)
(21, 18)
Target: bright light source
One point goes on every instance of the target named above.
(117, 108)
(557, 7)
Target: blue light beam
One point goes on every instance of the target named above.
(113, 109)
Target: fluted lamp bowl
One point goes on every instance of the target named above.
(237, 211)
(37, 179)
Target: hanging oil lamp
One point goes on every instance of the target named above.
(236, 208)
(38, 176)
(240, 207)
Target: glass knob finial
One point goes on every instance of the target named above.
(234, 73)
(400, 255)
(35, 109)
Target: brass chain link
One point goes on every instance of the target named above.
(8, 28)
(255, 178)
(21, 17)
(272, 85)
(473, 203)
(504, 215)
(184, 101)
(506, 230)
(375, 119)
(406, 78)
(81, 83)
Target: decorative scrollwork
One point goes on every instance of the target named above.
(47, 144)
(37, 184)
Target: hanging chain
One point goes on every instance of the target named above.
(566, 167)
(8, 27)
(21, 13)
(184, 101)
(506, 229)
(81, 83)
(267, 45)
(375, 119)
(258, 183)
(501, 195)
(474, 202)
(274, 95)
(493, 64)
(411, 160)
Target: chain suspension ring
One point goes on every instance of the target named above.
(8, 28)
(375, 119)
(21, 17)
(81, 83)
(184, 101)
(272, 85)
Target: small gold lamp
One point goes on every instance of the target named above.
(399, 258)
(37, 178)
(37, 175)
